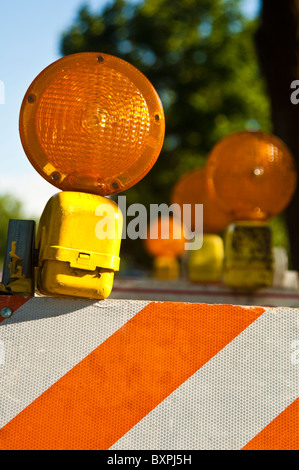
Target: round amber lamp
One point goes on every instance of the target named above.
(251, 175)
(166, 238)
(92, 122)
(192, 189)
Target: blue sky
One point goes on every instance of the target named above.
(30, 32)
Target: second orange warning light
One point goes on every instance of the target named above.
(251, 175)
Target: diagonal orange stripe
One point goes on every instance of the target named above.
(281, 433)
(127, 376)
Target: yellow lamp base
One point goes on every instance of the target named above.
(73, 260)
(248, 256)
(58, 279)
(166, 268)
(206, 264)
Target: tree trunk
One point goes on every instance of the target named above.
(277, 43)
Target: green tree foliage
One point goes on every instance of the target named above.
(10, 208)
(200, 57)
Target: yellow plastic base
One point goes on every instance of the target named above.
(166, 268)
(59, 279)
(206, 264)
(73, 260)
(248, 256)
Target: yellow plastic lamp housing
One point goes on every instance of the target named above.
(251, 175)
(168, 239)
(92, 122)
(248, 255)
(166, 268)
(192, 189)
(206, 264)
(75, 258)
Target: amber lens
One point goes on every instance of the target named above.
(92, 122)
(252, 175)
(192, 189)
(170, 239)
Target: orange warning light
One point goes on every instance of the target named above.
(92, 122)
(252, 175)
(192, 189)
(169, 240)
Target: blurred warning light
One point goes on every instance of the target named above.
(166, 237)
(192, 189)
(251, 175)
(92, 122)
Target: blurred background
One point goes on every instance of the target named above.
(219, 66)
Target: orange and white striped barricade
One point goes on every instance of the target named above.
(134, 375)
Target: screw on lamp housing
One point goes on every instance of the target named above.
(6, 312)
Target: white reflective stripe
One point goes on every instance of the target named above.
(232, 397)
(46, 338)
(2, 353)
